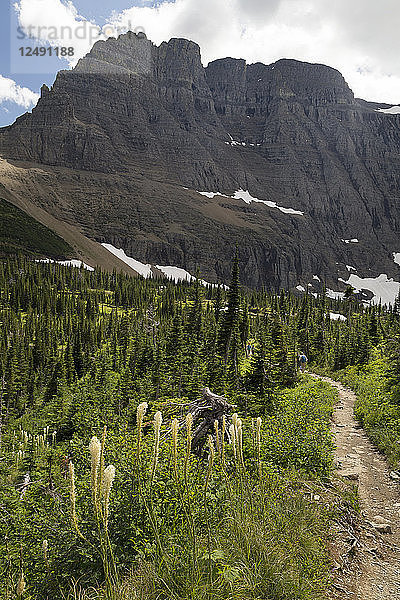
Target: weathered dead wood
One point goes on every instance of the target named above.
(23, 484)
(205, 411)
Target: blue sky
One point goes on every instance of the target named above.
(10, 110)
(359, 38)
(96, 11)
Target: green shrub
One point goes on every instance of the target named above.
(374, 408)
(186, 527)
(298, 436)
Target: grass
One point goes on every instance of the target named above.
(235, 524)
(245, 532)
(267, 546)
(379, 416)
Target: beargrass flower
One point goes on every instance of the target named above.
(95, 452)
(21, 585)
(45, 547)
(108, 480)
(157, 428)
(189, 422)
(141, 411)
(232, 432)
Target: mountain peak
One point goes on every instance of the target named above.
(130, 53)
(145, 149)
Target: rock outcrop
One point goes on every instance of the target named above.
(126, 138)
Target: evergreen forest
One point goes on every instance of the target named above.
(113, 485)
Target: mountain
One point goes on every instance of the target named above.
(120, 147)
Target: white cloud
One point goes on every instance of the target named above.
(58, 22)
(356, 37)
(11, 92)
(359, 38)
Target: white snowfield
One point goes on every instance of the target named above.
(396, 258)
(174, 273)
(350, 268)
(394, 110)
(352, 241)
(248, 198)
(211, 194)
(235, 143)
(67, 263)
(177, 274)
(300, 288)
(316, 278)
(139, 267)
(384, 290)
(337, 317)
(334, 295)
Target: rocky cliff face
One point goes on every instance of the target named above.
(129, 135)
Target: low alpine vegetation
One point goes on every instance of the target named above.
(157, 439)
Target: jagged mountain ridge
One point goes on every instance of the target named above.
(126, 138)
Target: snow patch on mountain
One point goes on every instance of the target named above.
(248, 198)
(211, 194)
(139, 267)
(337, 317)
(396, 258)
(235, 143)
(67, 263)
(385, 290)
(176, 274)
(394, 110)
(352, 241)
(334, 295)
(300, 288)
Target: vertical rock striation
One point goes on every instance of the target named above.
(156, 125)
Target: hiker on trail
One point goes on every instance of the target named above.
(302, 362)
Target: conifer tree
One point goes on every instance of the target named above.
(230, 320)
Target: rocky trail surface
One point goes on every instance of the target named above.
(375, 573)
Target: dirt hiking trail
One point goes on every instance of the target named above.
(378, 544)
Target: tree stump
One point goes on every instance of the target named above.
(205, 411)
